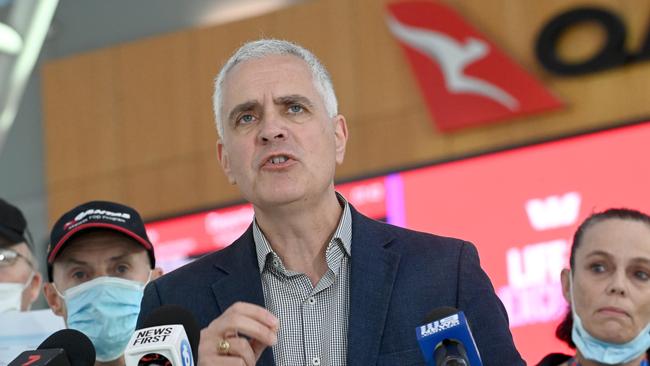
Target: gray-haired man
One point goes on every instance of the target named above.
(313, 281)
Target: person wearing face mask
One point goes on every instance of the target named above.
(608, 289)
(99, 260)
(20, 281)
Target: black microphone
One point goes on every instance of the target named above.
(446, 339)
(66, 347)
(169, 337)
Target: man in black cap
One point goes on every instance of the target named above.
(20, 281)
(99, 260)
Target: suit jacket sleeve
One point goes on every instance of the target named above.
(485, 312)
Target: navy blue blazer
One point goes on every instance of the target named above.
(397, 277)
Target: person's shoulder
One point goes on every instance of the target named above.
(554, 359)
(193, 270)
(408, 238)
(417, 243)
(204, 267)
(209, 263)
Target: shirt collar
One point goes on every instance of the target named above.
(342, 234)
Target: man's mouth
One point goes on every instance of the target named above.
(278, 159)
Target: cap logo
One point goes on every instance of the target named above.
(97, 215)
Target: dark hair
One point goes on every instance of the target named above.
(564, 329)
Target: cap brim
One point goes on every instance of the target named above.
(12, 236)
(57, 247)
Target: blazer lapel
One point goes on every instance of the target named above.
(240, 280)
(372, 275)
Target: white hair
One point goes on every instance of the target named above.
(266, 47)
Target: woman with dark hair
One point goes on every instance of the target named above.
(608, 290)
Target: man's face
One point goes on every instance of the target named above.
(279, 144)
(18, 267)
(96, 254)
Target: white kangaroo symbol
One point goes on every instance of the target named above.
(453, 57)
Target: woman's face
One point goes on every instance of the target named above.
(611, 279)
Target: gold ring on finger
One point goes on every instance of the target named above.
(223, 347)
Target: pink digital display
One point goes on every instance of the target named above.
(520, 208)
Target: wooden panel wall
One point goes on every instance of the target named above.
(134, 123)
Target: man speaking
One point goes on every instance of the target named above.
(312, 281)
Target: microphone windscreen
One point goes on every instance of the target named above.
(439, 313)
(78, 348)
(176, 314)
(446, 337)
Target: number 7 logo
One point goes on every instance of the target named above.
(32, 359)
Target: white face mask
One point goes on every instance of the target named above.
(607, 353)
(11, 294)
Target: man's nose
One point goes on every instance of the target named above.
(272, 128)
(100, 272)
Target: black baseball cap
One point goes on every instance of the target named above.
(13, 226)
(97, 215)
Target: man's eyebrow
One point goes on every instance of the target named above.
(293, 98)
(246, 106)
(642, 260)
(72, 261)
(120, 257)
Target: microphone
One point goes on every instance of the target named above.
(66, 347)
(169, 337)
(446, 339)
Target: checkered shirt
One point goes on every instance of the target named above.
(313, 320)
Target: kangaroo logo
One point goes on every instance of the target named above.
(453, 57)
(465, 79)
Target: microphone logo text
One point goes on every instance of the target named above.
(439, 325)
(152, 335)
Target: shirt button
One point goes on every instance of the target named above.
(315, 361)
(276, 263)
(312, 301)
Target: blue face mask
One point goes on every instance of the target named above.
(604, 352)
(106, 310)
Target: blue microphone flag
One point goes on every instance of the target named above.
(439, 333)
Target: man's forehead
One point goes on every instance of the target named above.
(274, 76)
(99, 242)
(286, 68)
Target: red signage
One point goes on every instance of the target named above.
(521, 208)
(465, 79)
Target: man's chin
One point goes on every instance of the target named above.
(278, 198)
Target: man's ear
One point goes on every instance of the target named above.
(156, 272)
(341, 136)
(224, 159)
(566, 284)
(54, 300)
(30, 293)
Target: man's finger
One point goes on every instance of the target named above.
(240, 347)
